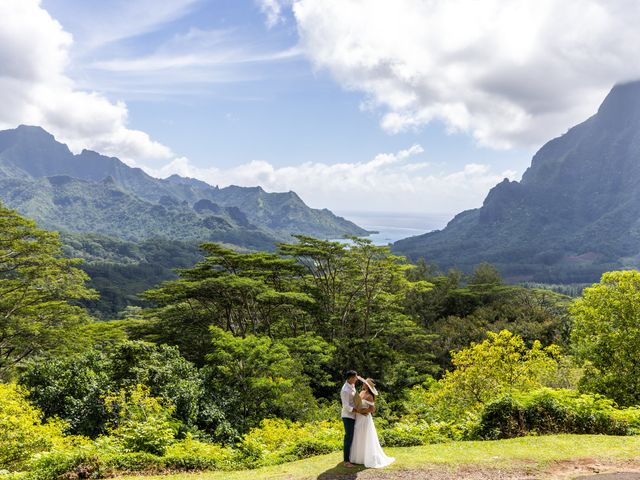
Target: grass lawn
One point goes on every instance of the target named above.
(528, 457)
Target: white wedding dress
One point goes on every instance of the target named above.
(365, 448)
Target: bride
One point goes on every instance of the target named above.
(366, 449)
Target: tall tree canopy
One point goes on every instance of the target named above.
(349, 296)
(243, 293)
(37, 286)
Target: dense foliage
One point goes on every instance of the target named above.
(548, 411)
(500, 364)
(37, 288)
(119, 270)
(458, 311)
(238, 361)
(74, 388)
(22, 433)
(314, 291)
(606, 334)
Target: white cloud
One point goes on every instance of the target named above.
(104, 22)
(509, 73)
(35, 90)
(388, 182)
(273, 11)
(195, 58)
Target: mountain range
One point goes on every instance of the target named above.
(574, 214)
(89, 192)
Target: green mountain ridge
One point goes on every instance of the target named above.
(574, 214)
(132, 229)
(89, 192)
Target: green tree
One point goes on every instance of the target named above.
(485, 274)
(499, 365)
(606, 335)
(244, 293)
(360, 292)
(37, 288)
(255, 377)
(533, 314)
(431, 305)
(316, 356)
(353, 286)
(71, 388)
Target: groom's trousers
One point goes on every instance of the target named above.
(349, 425)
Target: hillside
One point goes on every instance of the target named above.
(90, 192)
(574, 214)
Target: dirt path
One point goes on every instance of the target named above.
(586, 469)
(612, 476)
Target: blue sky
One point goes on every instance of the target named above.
(404, 106)
(281, 111)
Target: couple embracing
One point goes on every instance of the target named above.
(361, 444)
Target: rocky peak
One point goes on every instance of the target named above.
(621, 107)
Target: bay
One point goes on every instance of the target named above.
(394, 226)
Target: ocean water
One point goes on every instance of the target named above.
(392, 226)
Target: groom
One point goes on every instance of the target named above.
(349, 410)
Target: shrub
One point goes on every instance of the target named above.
(134, 462)
(403, 435)
(22, 433)
(66, 464)
(502, 418)
(144, 423)
(277, 441)
(548, 411)
(105, 457)
(191, 454)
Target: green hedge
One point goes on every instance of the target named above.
(548, 411)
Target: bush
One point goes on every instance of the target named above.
(22, 433)
(275, 441)
(135, 462)
(548, 411)
(278, 441)
(403, 435)
(191, 454)
(66, 464)
(144, 423)
(105, 458)
(502, 418)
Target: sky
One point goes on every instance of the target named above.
(412, 107)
